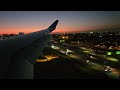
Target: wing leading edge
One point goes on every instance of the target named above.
(18, 54)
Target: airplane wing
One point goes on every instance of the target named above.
(18, 54)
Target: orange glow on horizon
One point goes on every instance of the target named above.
(16, 30)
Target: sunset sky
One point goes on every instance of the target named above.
(69, 21)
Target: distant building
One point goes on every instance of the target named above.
(5, 35)
(21, 33)
(11, 35)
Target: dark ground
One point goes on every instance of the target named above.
(65, 69)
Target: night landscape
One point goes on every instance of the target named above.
(60, 44)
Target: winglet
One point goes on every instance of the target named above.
(53, 26)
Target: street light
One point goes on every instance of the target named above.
(118, 52)
(109, 53)
(66, 37)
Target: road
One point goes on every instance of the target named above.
(95, 61)
(82, 63)
(66, 67)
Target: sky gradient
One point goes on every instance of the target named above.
(69, 21)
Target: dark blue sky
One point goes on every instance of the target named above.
(69, 21)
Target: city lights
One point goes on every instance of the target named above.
(62, 40)
(109, 53)
(118, 52)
